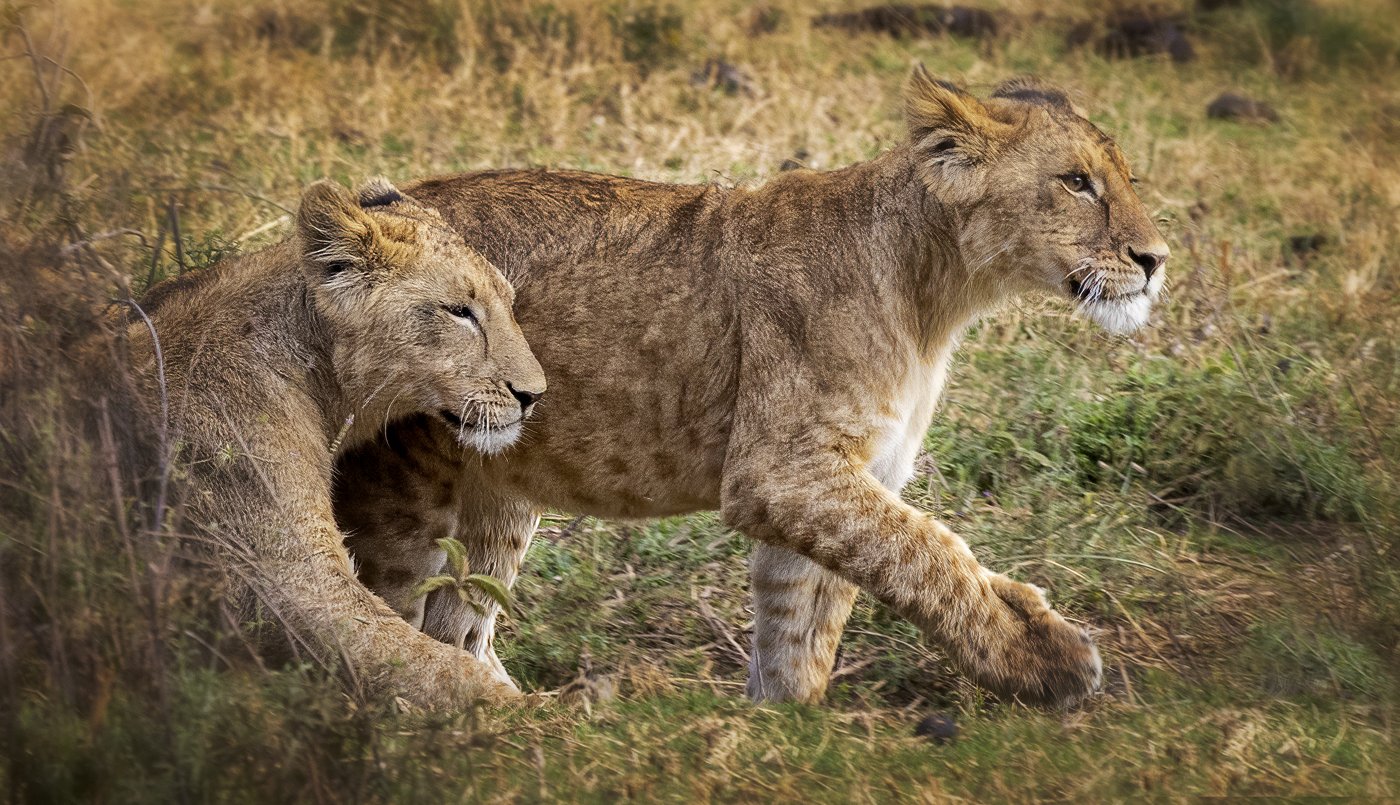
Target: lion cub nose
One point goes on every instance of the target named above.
(1150, 259)
(525, 398)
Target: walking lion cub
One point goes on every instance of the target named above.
(256, 371)
(777, 352)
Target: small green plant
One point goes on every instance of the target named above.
(464, 581)
(208, 249)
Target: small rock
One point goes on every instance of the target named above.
(349, 134)
(720, 74)
(1233, 106)
(1301, 248)
(940, 728)
(1179, 47)
(1304, 246)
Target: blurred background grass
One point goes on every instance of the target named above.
(1216, 494)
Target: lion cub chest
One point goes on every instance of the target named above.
(901, 431)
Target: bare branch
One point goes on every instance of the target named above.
(46, 98)
(101, 236)
(165, 456)
(218, 188)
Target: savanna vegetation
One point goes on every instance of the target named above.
(1216, 495)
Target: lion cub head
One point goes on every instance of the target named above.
(420, 322)
(1046, 199)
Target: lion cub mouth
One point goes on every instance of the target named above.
(487, 440)
(1080, 292)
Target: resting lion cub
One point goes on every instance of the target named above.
(777, 352)
(273, 361)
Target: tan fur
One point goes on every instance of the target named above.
(778, 352)
(274, 361)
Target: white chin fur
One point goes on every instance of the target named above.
(490, 441)
(1118, 315)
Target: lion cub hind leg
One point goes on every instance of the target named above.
(395, 501)
(394, 568)
(800, 610)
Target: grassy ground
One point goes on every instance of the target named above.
(1216, 495)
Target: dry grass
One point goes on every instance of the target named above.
(1216, 494)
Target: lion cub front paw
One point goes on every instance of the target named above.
(1028, 651)
(449, 683)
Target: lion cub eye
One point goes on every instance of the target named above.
(462, 313)
(1078, 182)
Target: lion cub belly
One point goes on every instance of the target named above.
(902, 432)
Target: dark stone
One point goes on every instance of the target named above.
(720, 74)
(1304, 246)
(797, 160)
(1233, 106)
(940, 728)
(900, 20)
(1179, 47)
(1081, 35)
(1133, 33)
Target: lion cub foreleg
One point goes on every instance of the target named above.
(301, 576)
(1000, 632)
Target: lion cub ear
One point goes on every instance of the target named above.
(378, 191)
(947, 124)
(342, 243)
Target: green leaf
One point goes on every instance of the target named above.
(433, 583)
(456, 556)
(493, 588)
